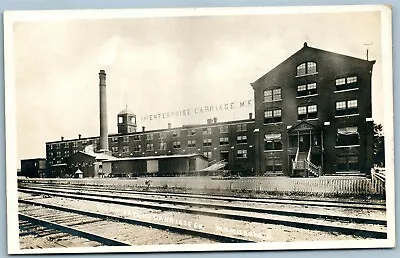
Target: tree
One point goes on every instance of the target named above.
(379, 146)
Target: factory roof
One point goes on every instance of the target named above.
(156, 157)
(126, 111)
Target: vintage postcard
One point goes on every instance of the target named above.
(164, 130)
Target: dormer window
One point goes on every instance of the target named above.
(306, 68)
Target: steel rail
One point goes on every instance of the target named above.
(234, 207)
(255, 218)
(198, 233)
(72, 231)
(319, 203)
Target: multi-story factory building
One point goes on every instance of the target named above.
(313, 116)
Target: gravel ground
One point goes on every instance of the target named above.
(258, 232)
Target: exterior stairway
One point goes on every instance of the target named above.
(303, 167)
(216, 166)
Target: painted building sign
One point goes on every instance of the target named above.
(200, 110)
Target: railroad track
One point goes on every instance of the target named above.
(346, 225)
(105, 229)
(275, 200)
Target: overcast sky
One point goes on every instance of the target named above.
(162, 65)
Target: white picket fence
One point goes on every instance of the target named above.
(325, 185)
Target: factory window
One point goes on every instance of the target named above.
(223, 129)
(207, 130)
(58, 154)
(50, 162)
(207, 154)
(137, 148)
(136, 137)
(273, 164)
(273, 141)
(114, 139)
(242, 153)
(162, 135)
(176, 145)
(192, 143)
(307, 112)
(207, 142)
(272, 95)
(347, 163)
(66, 145)
(175, 134)
(126, 138)
(163, 145)
(114, 148)
(346, 83)
(223, 141)
(192, 132)
(346, 107)
(74, 151)
(125, 149)
(150, 147)
(272, 116)
(241, 127)
(307, 89)
(57, 145)
(149, 136)
(347, 136)
(306, 68)
(66, 154)
(241, 139)
(74, 144)
(120, 119)
(50, 154)
(50, 146)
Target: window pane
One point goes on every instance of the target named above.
(302, 110)
(312, 109)
(302, 87)
(352, 79)
(340, 81)
(340, 105)
(312, 86)
(301, 69)
(352, 103)
(311, 67)
(277, 94)
(277, 113)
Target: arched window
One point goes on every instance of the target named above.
(306, 68)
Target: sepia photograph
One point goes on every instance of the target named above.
(199, 129)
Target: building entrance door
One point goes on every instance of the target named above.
(304, 143)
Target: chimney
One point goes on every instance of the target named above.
(62, 138)
(103, 112)
(169, 125)
(215, 120)
(143, 128)
(250, 115)
(209, 121)
(79, 136)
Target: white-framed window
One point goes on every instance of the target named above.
(192, 143)
(272, 95)
(136, 137)
(176, 145)
(126, 139)
(149, 136)
(163, 145)
(149, 147)
(346, 83)
(241, 153)
(206, 130)
(307, 89)
(223, 141)
(241, 127)
(207, 154)
(346, 107)
(175, 134)
(207, 142)
(306, 68)
(307, 112)
(137, 148)
(223, 129)
(241, 139)
(272, 116)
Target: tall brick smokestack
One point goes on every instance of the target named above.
(103, 112)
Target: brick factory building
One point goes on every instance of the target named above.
(313, 116)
